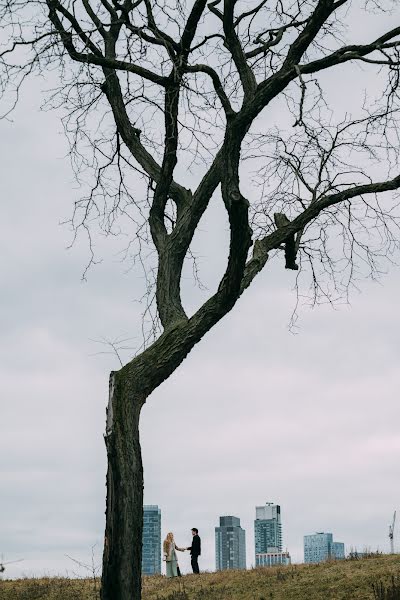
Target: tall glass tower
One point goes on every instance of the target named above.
(230, 544)
(268, 529)
(151, 552)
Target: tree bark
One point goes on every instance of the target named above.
(122, 555)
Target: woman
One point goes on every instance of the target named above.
(170, 558)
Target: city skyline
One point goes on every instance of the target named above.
(230, 547)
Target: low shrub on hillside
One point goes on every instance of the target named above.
(389, 591)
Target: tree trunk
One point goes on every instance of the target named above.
(122, 555)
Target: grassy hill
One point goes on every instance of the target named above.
(375, 578)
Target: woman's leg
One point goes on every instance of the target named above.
(174, 568)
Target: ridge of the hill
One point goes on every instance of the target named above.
(374, 578)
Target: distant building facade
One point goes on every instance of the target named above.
(338, 551)
(151, 551)
(230, 544)
(320, 547)
(268, 529)
(271, 559)
(317, 547)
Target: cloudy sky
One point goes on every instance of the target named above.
(256, 413)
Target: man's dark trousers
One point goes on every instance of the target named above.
(194, 563)
(195, 551)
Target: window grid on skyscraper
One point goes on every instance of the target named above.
(151, 549)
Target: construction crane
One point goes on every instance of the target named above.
(391, 533)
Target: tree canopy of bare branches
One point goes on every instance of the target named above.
(239, 94)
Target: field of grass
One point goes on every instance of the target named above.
(341, 580)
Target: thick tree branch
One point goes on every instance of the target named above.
(281, 220)
(131, 137)
(170, 254)
(274, 240)
(226, 105)
(56, 7)
(95, 19)
(95, 57)
(167, 40)
(274, 85)
(232, 42)
(353, 52)
(322, 12)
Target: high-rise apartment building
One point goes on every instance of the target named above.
(338, 550)
(268, 529)
(151, 552)
(230, 544)
(320, 547)
(317, 547)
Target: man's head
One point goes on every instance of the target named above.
(195, 531)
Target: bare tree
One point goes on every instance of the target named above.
(151, 88)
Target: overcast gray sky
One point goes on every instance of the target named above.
(254, 414)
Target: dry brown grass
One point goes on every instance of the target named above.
(342, 580)
(48, 588)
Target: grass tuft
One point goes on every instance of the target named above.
(387, 592)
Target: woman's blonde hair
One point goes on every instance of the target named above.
(169, 539)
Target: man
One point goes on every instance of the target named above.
(195, 550)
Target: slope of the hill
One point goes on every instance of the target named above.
(341, 580)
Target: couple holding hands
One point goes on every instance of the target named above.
(169, 552)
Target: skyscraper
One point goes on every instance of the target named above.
(268, 529)
(230, 544)
(320, 547)
(151, 552)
